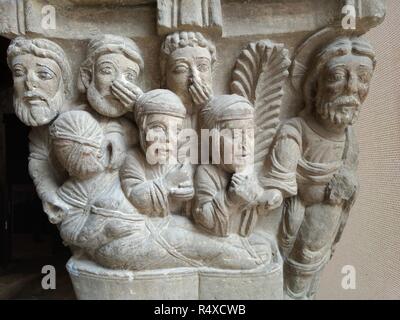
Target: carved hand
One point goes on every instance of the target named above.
(272, 198)
(185, 191)
(126, 92)
(342, 187)
(55, 209)
(241, 188)
(178, 181)
(201, 93)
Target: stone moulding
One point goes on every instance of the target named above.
(89, 281)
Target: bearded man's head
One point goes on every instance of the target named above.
(338, 84)
(112, 64)
(42, 79)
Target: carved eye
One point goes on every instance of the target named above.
(19, 72)
(106, 70)
(364, 77)
(337, 76)
(157, 131)
(181, 68)
(203, 67)
(131, 76)
(45, 75)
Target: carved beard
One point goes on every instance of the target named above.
(39, 114)
(106, 106)
(79, 160)
(343, 111)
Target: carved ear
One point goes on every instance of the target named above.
(84, 79)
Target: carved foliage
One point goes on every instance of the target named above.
(259, 75)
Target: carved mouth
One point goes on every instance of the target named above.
(33, 99)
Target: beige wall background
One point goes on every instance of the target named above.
(371, 240)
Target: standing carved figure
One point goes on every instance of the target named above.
(314, 159)
(42, 85)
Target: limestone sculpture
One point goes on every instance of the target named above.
(314, 159)
(259, 211)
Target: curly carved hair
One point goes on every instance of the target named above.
(182, 39)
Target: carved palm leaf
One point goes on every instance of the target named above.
(259, 75)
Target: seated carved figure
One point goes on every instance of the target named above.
(151, 177)
(228, 194)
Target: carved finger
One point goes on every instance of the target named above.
(236, 179)
(233, 185)
(185, 184)
(207, 90)
(185, 190)
(195, 96)
(126, 101)
(130, 90)
(239, 177)
(124, 91)
(119, 94)
(199, 89)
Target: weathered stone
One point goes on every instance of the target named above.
(186, 156)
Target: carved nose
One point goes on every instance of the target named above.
(30, 82)
(30, 85)
(194, 74)
(352, 85)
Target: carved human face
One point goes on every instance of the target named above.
(342, 88)
(237, 144)
(38, 89)
(161, 134)
(80, 160)
(186, 66)
(109, 71)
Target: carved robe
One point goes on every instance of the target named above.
(143, 185)
(214, 211)
(44, 168)
(304, 162)
(317, 176)
(98, 212)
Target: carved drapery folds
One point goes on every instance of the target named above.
(112, 167)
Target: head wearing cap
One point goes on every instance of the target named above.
(159, 101)
(224, 108)
(79, 127)
(106, 44)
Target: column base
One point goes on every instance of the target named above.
(93, 282)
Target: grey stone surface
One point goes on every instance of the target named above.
(257, 203)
